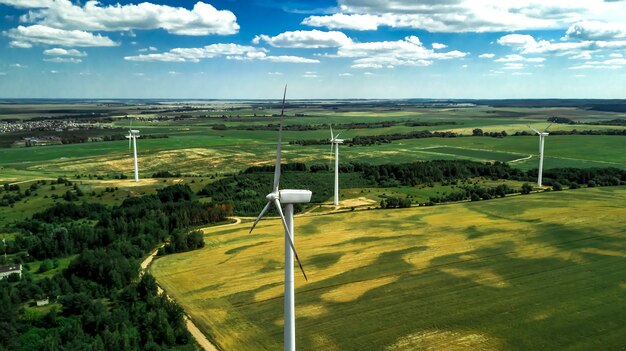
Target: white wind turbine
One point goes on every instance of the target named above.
(288, 197)
(542, 137)
(334, 142)
(132, 136)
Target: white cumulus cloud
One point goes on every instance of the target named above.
(64, 52)
(63, 60)
(25, 37)
(312, 39)
(202, 19)
(229, 51)
(466, 15)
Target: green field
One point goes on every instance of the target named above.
(195, 147)
(542, 271)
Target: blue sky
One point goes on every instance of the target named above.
(322, 49)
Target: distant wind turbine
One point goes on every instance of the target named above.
(542, 137)
(288, 197)
(334, 142)
(132, 136)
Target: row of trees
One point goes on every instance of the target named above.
(337, 127)
(612, 122)
(245, 191)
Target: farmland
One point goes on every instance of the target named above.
(194, 145)
(486, 271)
(527, 272)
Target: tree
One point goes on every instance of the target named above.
(478, 132)
(526, 188)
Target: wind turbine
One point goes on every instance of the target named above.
(132, 136)
(334, 142)
(288, 197)
(542, 137)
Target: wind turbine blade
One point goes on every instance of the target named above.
(536, 131)
(331, 132)
(278, 146)
(282, 111)
(330, 159)
(288, 232)
(345, 130)
(267, 206)
(549, 125)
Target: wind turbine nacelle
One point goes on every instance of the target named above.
(337, 141)
(134, 131)
(292, 196)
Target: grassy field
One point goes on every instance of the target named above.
(194, 147)
(204, 155)
(543, 271)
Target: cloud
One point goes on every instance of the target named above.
(173, 73)
(439, 46)
(594, 30)
(150, 48)
(25, 37)
(486, 55)
(229, 51)
(54, 72)
(522, 74)
(64, 52)
(17, 65)
(311, 39)
(343, 21)
(275, 73)
(196, 54)
(346, 74)
(63, 60)
(407, 52)
(613, 63)
(289, 59)
(3, 74)
(465, 15)
(513, 65)
(202, 19)
(519, 58)
(310, 75)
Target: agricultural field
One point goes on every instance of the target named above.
(541, 271)
(538, 271)
(195, 144)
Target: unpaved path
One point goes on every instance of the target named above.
(201, 339)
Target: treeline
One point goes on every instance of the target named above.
(246, 191)
(476, 193)
(577, 132)
(367, 140)
(104, 306)
(381, 139)
(336, 127)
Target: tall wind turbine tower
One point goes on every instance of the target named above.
(132, 136)
(334, 142)
(542, 137)
(288, 197)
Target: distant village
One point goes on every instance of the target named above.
(48, 125)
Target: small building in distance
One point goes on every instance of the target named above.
(6, 271)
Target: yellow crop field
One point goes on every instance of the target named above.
(541, 271)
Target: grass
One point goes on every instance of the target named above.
(541, 271)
